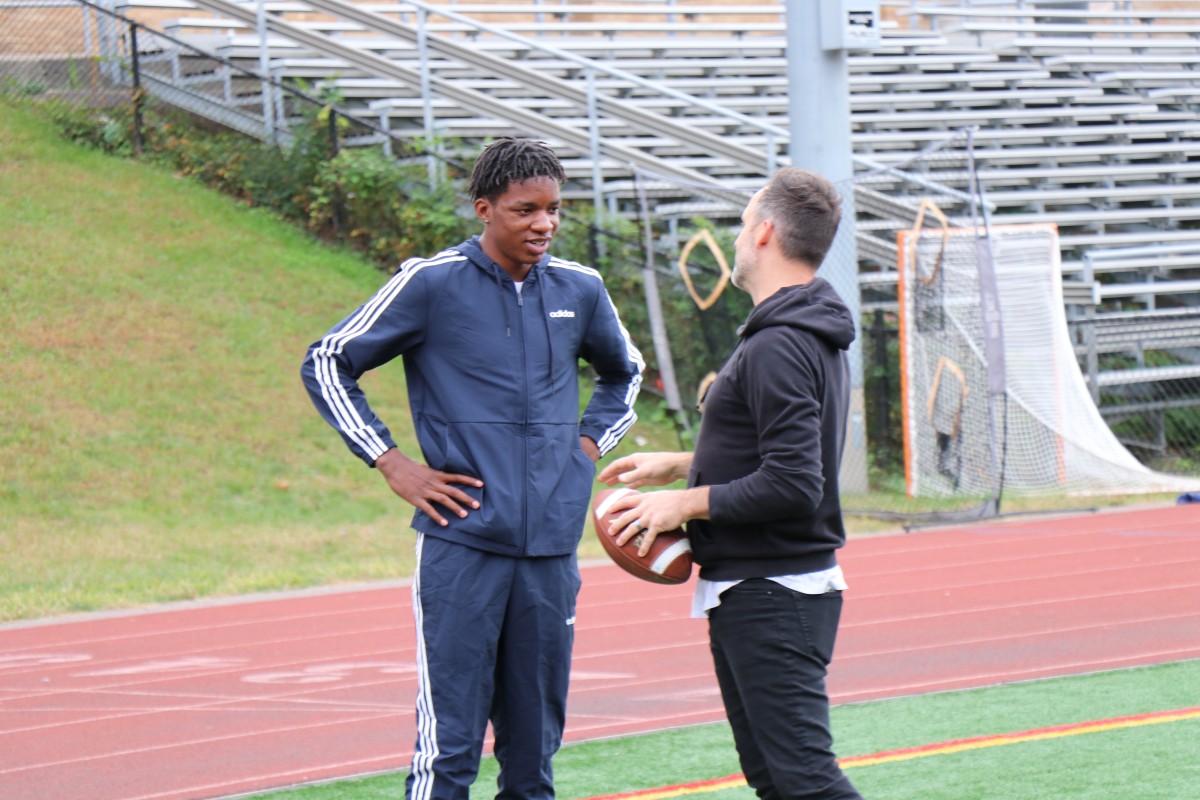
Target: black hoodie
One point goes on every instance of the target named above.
(771, 439)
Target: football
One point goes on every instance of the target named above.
(670, 556)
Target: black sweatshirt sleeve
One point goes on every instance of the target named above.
(781, 379)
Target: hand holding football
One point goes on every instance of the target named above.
(670, 556)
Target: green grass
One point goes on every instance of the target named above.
(158, 444)
(1151, 762)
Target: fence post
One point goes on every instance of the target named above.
(882, 434)
(137, 89)
(339, 209)
(333, 134)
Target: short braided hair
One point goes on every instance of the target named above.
(511, 160)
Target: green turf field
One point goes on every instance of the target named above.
(1148, 759)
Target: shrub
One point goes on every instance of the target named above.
(386, 210)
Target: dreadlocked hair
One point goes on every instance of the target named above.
(510, 160)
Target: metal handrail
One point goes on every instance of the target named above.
(774, 133)
(468, 97)
(225, 62)
(358, 14)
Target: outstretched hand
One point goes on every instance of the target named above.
(646, 469)
(423, 486)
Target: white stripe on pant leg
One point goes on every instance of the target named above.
(427, 747)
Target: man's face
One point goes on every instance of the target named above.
(745, 253)
(520, 223)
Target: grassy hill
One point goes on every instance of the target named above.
(157, 443)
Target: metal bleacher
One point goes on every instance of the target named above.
(1085, 114)
(1143, 180)
(1131, 250)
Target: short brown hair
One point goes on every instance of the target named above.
(805, 209)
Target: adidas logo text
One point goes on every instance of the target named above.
(562, 314)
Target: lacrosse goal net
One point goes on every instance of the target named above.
(993, 397)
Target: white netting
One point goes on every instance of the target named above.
(995, 401)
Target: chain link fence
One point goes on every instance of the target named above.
(75, 58)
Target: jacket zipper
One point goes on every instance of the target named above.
(525, 420)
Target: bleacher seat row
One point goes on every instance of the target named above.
(1085, 118)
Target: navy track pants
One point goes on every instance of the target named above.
(494, 639)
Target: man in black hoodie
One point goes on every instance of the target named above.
(762, 507)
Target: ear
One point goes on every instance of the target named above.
(483, 208)
(763, 232)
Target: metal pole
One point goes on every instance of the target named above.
(594, 152)
(426, 95)
(264, 69)
(339, 208)
(1089, 334)
(658, 328)
(819, 114)
(137, 89)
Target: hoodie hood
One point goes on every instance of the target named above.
(472, 249)
(814, 307)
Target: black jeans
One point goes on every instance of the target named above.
(771, 647)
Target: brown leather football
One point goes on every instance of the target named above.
(670, 556)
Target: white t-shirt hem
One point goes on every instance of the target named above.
(708, 593)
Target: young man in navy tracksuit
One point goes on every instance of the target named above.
(762, 507)
(490, 332)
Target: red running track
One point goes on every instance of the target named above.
(217, 699)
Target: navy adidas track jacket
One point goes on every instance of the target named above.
(493, 388)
